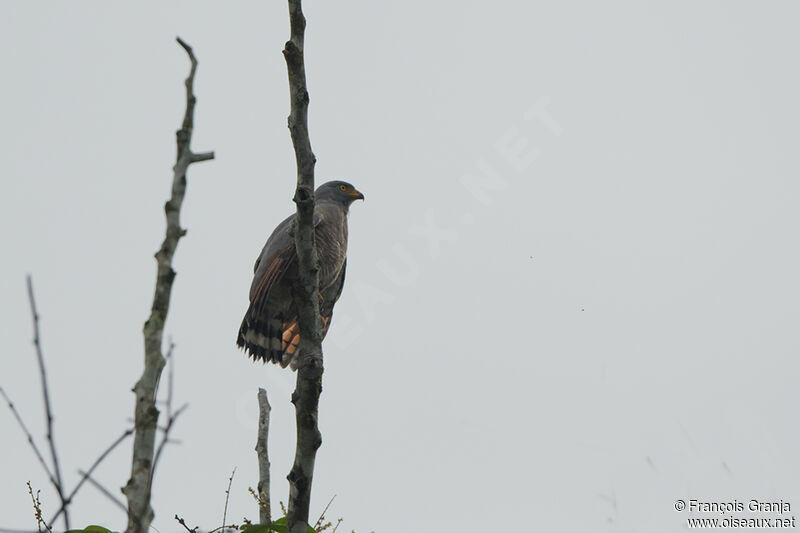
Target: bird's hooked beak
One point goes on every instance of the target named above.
(356, 194)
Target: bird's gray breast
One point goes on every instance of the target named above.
(331, 235)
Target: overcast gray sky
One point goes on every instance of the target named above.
(572, 292)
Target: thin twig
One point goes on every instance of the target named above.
(181, 522)
(29, 436)
(37, 508)
(165, 439)
(107, 493)
(171, 361)
(85, 475)
(262, 504)
(223, 528)
(227, 497)
(170, 374)
(48, 410)
(322, 516)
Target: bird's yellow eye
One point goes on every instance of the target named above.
(342, 187)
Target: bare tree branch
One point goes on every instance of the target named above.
(183, 523)
(318, 523)
(171, 361)
(205, 156)
(170, 377)
(165, 439)
(234, 527)
(65, 500)
(47, 409)
(264, 506)
(104, 491)
(172, 416)
(85, 475)
(227, 497)
(138, 488)
(309, 371)
(30, 438)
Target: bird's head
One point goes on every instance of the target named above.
(340, 192)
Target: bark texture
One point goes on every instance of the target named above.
(264, 506)
(309, 372)
(138, 489)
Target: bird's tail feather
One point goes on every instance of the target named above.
(273, 340)
(262, 339)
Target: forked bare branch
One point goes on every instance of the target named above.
(29, 437)
(85, 476)
(104, 491)
(51, 441)
(138, 490)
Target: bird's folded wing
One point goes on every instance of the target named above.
(275, 260)
(275, 268)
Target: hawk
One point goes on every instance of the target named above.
(270, 329)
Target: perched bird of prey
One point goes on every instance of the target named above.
(270, 329)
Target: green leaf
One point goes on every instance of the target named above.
(257, 528)
(279, 525)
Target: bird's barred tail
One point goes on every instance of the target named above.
(273, 340)
(263, 340)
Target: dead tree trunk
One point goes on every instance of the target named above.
(309, 371)
(139, 486)
(264, 502)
